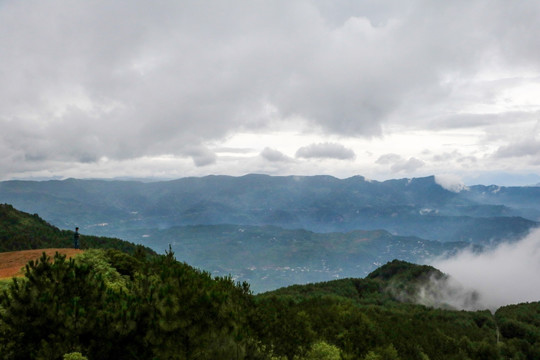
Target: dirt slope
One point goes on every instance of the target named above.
(12, 263)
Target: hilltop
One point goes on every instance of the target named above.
(396, 281)
(23, 231)
(12, 262)
(385, 308)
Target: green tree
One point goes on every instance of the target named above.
(385, 353)
(323, 351)
(186, 314)
(287, 327)
(74, 356)
(55, 310)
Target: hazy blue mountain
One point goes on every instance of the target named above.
(409, 207)
(523, 200)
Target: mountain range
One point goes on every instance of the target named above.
(296, 229)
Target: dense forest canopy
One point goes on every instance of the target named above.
(106, 304)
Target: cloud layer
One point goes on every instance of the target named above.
(87, 82)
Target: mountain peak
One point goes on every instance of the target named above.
(403, 270)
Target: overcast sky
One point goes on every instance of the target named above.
(168, 89)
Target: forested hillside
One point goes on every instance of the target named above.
(22, 231)
(377, 318)
(110, 305)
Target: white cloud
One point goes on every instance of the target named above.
(325, 150)
(446, 291)
(450, 182)
(507, 274)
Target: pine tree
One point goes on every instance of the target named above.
(56, 310)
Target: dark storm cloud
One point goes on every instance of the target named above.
(125, 79)
(325, 151)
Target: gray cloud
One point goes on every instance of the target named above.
(455, 156)
(527, 147)
(274, 155)
(457, 121)
(399, 164)
(325, 150)
(444, 157)
(122, 80)
(202, 156)
(388, 159)
(407, 166)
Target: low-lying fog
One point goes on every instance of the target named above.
(506, 274)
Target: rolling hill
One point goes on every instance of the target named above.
(23, 231)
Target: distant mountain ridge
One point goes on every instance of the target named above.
(410, 207)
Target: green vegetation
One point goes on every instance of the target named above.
(367, 319)
(22, 231)
(164, 310)
(520, 326)
(108, 304)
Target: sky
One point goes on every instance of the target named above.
(169, 89)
